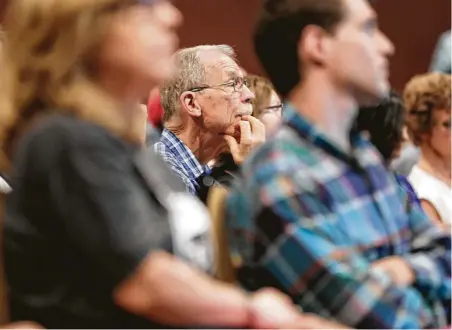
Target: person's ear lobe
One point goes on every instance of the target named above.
(190, 104)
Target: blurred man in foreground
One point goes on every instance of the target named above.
(316, 213)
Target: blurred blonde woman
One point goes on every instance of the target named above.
(93, 221)
(427, 100)
(267, 105)
(4, 186)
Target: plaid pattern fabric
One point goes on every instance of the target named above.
(180, 159)
(403, 182)
(309, 219)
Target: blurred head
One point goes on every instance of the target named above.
(427, 101)
(208, 89)
(139, 44)
(338, 40)
(267, 106)
(385, 124)
(59, 53)
(155, 109)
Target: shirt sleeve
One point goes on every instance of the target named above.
(172, 164)
(289, 245)
(108, 213)
(430, 257)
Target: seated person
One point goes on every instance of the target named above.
(267, 106)
(96, 227)
(385, 122)
(427, 100)
(315, 212)
(207, 111)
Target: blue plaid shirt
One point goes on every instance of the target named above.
(180, 159)
(309, 219)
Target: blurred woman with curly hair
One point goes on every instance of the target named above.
(427, 100)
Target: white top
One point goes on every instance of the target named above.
(4, 187)
(191, 230)
(433, 190)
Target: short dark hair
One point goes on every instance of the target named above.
(384, 122)
(278, 31)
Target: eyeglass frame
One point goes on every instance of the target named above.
(233, 84)
(273, 108)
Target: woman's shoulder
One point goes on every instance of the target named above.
(67, 126)
(419, 178)
(67, 131)
(426, 186)
(57, 137)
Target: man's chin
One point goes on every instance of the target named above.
(374, 97)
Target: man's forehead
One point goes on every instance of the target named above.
(359, 10)
(216, 61)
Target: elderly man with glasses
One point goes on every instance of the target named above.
(207, 111)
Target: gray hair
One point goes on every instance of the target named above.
(191, 72)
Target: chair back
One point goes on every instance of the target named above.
(3, 290)
(216, 201)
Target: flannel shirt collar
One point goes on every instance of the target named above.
(307, 131)
(183, 155)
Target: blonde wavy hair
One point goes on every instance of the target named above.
(424, 95)
(262, 89)
(48, 64)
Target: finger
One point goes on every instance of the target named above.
(22, 325)
(311, 321)
(273, 311)
(232, 144)
(233, 130)
(246, 137)
(257, 128)
(275, 293)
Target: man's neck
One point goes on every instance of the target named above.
(205, 146)
(332, 111)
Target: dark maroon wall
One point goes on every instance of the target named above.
(413, 25)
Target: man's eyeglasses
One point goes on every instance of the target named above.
(236, 83)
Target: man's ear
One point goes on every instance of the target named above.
(314, 45)
(190, 104)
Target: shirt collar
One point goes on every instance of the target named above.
(183, 155)
(308, 131)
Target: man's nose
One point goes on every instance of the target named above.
(247, 95)
(386, 45)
